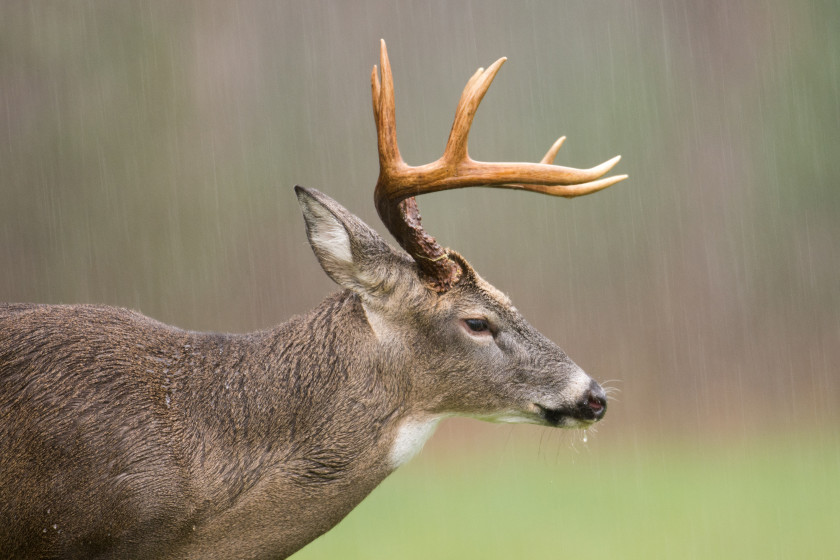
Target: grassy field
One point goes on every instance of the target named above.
(760, 498)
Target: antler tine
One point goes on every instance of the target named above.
(477, 86)
(568, 191)
(549, 156)
(384, 110)
(398, 182)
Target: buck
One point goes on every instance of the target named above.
(122, 437)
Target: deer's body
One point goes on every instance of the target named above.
(158, 442)
(122, 437)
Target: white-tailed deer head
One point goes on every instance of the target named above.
(464, 351)
(468, 350)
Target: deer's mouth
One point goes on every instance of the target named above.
(563, 417)
(588, 411)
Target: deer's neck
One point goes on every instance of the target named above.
(309, 404)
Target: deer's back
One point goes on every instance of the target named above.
(84, 432)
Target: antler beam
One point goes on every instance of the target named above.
(399, 182)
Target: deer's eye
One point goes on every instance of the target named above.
(477, 325)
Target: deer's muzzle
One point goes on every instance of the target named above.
(591, 407)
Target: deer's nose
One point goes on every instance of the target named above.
(594, 402)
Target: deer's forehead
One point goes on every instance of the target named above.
(475, 294)
(492, 293)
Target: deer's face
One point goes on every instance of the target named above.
(472, 353)
(467, 351)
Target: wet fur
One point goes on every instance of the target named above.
(101, 402)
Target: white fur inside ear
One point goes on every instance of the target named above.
(328, 234)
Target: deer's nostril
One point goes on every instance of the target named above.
(596, 401)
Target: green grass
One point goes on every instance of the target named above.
(771, 498)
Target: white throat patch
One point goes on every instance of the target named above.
(411, 436)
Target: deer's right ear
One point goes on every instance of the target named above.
(350, 252)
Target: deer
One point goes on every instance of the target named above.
(123, 437)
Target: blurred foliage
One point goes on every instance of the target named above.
(148, 151)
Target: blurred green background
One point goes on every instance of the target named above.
(148, 152)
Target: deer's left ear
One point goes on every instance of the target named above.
(349, 251)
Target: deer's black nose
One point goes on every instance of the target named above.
(594, 404)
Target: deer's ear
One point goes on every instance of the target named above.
(350, 252)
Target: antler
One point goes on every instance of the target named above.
(399, 182)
